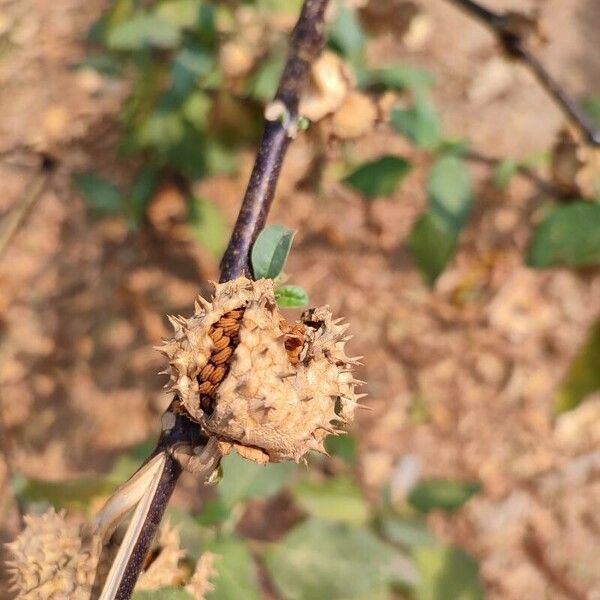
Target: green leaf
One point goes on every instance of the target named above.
(446, 574)
(397, 78)
(142, 30)
(263, 84)
(247, 480)
(583, 377)
(194, 536)
(568, 236)
(449, 191)
(320, 559)
(444, 494)
(406, 532)
(419, 123)
(162, 130)
(100, 194)
(291, 296)
(335, 499)
(144, 184)
(432, 245)
(342, 446)
(345, 34)
(236, 572)
(270, 251)
(504, 171)
(207, 225)
(72, 493)
(379, 177)
(169, 593)
(591, 107)
(213, 512)
(179, 13)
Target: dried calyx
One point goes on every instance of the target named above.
(272, 389)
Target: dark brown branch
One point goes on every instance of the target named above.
(510, 29)
(306, 44)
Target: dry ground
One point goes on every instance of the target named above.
(461, 378)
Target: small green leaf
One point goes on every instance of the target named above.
(72, 493)
(270, 251)
(144, 184)
(263, 84)
(169, 593)
(342, 446)
(449, 191)
(568, 236)
(291, 296)
(207, 225)
(321, 559)
(162, 130)
(179, 13)
(504, 171)
(591, 107)
(379, 177)
(583, 377)
(213, 512)
(444, 494)
(345, 34)
(237, 575)
(432, 245)
(398, 78)
(100, 194)
(246, 480)
(406, 532)
(142, 30)
(335, 499)
(446, 574)
(419, 123)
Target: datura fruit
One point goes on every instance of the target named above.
(272, 389)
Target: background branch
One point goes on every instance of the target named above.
(511, 31)
(182, 442)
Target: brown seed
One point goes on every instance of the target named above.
(206, 387)
(235, 314)
(226, 322)
(216, 334)
(206, 371)
(218, 374)
(223, 356)
(222, 343)
(232, 330)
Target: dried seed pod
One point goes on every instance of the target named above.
(277, 389)
(53, 558)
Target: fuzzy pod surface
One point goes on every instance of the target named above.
(272, 389)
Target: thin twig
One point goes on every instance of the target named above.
(503, 25)
(182, 442)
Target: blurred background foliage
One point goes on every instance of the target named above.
(201, 74)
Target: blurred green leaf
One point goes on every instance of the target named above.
(220, 159)
(444, 494)
(406, 532)
(237, 575)
(446, 574)
(247, 480)
(591, 106)
(335, 499)
(379, 177)
(449, 191)
(179, 13)
(342, 446)
(169, 593)
(263, 84)
(207, 225)
(398, 78)
(72, 493)
(102, 63)
(193, 535)
(320, 559)
(504, 171)
(196, 108)
(144, 184)
(196, 60)
(213, 512)
(568, 236)
(432, 245)
(161, 129)
(291, 296)
(346, 34)
(142, 30)
(583, 377)
(270, 251)
(100, 194)
(419, 123)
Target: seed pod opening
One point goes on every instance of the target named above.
(272, 389)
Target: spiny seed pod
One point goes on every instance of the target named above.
(273, 390)
(53, 560)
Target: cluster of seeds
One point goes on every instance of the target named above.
(294, 340)
(225, 334)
